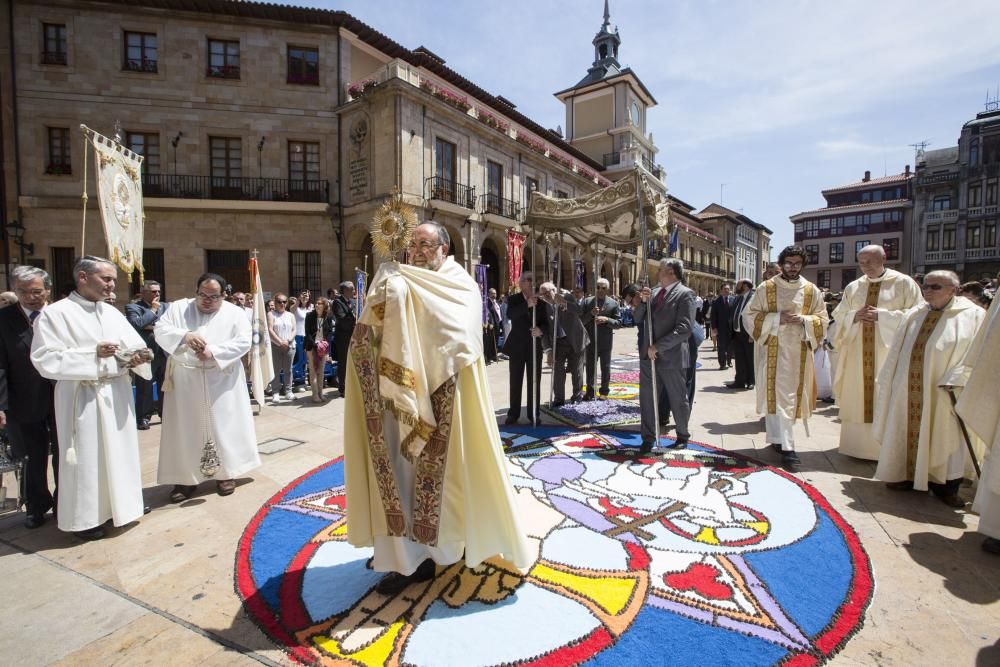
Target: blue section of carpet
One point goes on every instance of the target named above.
(328, 477)
(683, 642)
(281, 535)
(791, 577)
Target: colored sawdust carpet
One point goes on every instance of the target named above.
(693, 557)
(621, 410)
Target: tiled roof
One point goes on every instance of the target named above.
(885, 203)
(716, 210)
(883, 180)
(421, 57)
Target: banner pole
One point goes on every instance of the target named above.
(83, 197)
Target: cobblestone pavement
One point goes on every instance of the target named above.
(160, 591)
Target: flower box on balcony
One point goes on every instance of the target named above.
(530, 142)
(360, 88)
(460, 102)
(486, 118)
(58, 169)
(566, 162)
(586, 173)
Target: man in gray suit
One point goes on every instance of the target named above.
(570, 341)
(604, 310)
(672, 308)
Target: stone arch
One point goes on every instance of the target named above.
(495, 271)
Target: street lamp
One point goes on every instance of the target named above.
(16, 231)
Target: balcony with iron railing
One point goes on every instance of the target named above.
(223, 71)
(950, 215)
(494, 204)
(611, 159)
(140, 65)
(443, 189)
(179, 186)
(54, 58)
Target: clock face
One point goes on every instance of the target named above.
(635, 114)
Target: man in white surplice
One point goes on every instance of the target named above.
(88, 347)
(872, 308)
(980, 409)
(205, 392)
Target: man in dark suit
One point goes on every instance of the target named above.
(491, 330)
(722, 326)
(345, 318)
(26, 398)
(603, 310)
(673, 312)
(143, 316)
(568, 338)
(742, 343)
(521, 307)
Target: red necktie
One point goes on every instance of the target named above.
(660, 298)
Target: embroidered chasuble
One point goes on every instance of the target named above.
(914, 422)
(783, 353)
(979, 407)
(861, 350)
(424, 467)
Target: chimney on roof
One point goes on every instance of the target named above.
(868, 177)
(906, 172)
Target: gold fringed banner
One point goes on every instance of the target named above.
(119, 195)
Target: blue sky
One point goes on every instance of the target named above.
(777, 99)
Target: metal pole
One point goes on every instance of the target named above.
(644, 235)
(965, 435)
(534, 341)
(555, 324)
(597, 252)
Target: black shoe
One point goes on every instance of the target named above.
(734, 385)
(577, 397)
(790, 460)
(510, 420)
(558, 404)
(34, 520)
(680, 441)
(646, 447)
(991, 545)
(394, 583)
(749, 386)
(776, 446)
(905, 485)
(588, 397)
(829, 399)
(952, 500)
(142, 425)
(90, 534)
(147, 509)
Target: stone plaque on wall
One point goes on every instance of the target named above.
(358, 162)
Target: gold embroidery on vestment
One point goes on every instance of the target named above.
(397, 373)
(868, 354)
(915, 386)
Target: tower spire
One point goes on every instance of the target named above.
(606, 43)
(607, 16)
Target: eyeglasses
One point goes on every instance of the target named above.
(423, 246)
(793, 265)
(281, 301)
(933, 286)
(33, 292)
(209, 297)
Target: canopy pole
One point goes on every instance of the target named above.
(533, 389)
(644, 234)
(555, 323)
(597, 254)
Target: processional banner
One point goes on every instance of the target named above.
(483, 289)
(515, 257)
(360, 289)
(261, 367)
(119, 192)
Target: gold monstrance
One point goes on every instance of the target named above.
(392, 226)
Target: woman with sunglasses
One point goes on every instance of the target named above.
(281, 329)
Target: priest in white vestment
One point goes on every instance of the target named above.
(787, 320)
(89, 348)
(206, 405)
(922, 445)
(980, 409)
(425, 473)
(870, 312)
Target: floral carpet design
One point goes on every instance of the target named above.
(694, 557)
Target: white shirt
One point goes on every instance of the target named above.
(284, 325)
(300, 319)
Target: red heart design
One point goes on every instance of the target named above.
(701, 578)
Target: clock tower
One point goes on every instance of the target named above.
(606, 111)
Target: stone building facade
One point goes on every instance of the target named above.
(872, 211)
(955, 202)
(280, 130)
